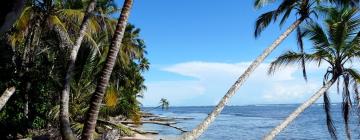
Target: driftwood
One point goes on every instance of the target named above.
(170, 124)
(141, 131)
(131, 128)
(183, 118)
(178, 128)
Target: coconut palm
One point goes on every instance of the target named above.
(95, 102)
(66, 131)
(53, 15)
(164, 103)
(65, 21)
(338, 44)
(303, 9)
(126, 82)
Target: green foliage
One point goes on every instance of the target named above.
(31, 53)
(337, 44)
(164, 103)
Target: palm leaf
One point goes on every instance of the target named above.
(263, 21)
(261, 3)
(329, 121)
(290, 57)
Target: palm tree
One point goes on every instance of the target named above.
(59, 20)
(96, 99)
(126, 82)
(303, 8)
(337, 45)
(164, 103)
(65, 128)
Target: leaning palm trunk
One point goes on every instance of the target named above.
(153, 108)
(195, 133)
(299, 110)
(96, 99)
(66, 131)
(6, 96)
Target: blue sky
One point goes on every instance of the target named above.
(198, 48)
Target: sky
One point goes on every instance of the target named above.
(198, 48)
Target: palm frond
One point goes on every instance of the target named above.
(111, 97)
(317, 35)
(24, 19)
(354, 74)
(55, 21)
(261, 3)
(21, 27)
(285, 8)
(329, 121)
(263, 21)
(73, 16)
(88, 38)
(288, 58)
(301, 47)
(77, 127)
(352, 3)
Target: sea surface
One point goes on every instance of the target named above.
(254, 121)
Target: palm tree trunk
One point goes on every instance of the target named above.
(6, 96)
(66, 131)
(195, 133)
(153, 108)
(103, 81)
(26, 96)
(299, 110)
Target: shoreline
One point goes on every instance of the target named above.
(141, 133)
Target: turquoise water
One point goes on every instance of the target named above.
(253, 122)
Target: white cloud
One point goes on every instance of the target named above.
(283, 91)
(207, 70)
(213, 79)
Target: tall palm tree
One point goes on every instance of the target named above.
(65, 128)
(96, 99)
(337, 45)
(126, 82)
(303, 8)
(164, 104)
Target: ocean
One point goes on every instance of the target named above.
(252, 122)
